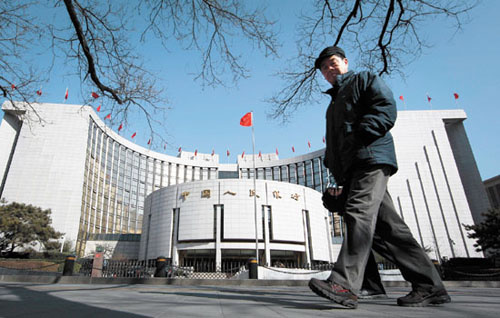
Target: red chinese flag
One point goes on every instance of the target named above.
(180, 149)
(120, 128)
(243, 154)
(429, 98)
(39, 92)
(67, 94)
(227, 152)
(95, 95)
(196, 152)
(246, 120)
(98, 108)
(323, 139)
(133, 135)
(455, 95)
(401, 98)
(260, 154)
(149, 142)
(276, 151)
(309, 143)
(293, 148)
(108, 116)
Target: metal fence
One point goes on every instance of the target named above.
(188, 268)
(141, 269)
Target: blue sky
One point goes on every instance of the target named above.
(206, 118)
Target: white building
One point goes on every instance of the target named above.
(96, 182)
(215, 219)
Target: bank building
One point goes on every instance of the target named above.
(103, 188)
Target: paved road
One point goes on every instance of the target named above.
(64, 300)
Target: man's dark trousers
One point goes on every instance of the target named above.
(373, 222)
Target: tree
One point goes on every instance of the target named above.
(487, 233)
(386, 36)
(22, 224)
(98, 41)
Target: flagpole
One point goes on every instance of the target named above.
(255, 193)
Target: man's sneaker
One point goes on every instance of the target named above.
(335, 292)
(371, 294)
(419, 298)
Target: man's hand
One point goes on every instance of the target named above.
(333, 200)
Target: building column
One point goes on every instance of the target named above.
(267, 239)
(306, 236)
(329, 232)
(218, 251)
(174, 254)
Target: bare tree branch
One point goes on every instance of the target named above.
(383, 38)
(97, 44)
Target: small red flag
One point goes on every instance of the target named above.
(309, 143)
(98, 108)
(401, 98)
(180, 149)
(276, 151)
(323, 139)
(13, 86)
(196, 152)
(133, 135)
(67, 94)
(95, 95)
(243, 154)
(429, 98)
(120, 128)
(108, 116)
(227, 152)
(293, 148)
(246, 120)
(149, 142)
(455, 95)
(260, 154)
(213, 152)
(39, 92)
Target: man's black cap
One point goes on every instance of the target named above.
(327, 52)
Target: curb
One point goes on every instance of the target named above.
(205, 282)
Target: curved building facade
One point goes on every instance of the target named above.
(96, 182)
(214, 220)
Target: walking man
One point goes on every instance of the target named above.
(360, 155)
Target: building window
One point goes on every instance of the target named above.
(284, 173)
(292, 173)
(300, 173)
(493, 197)
(276, 173)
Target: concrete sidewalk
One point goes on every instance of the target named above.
(71, 300)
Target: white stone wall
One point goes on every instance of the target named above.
(428, 189)
(48, 164)
(8, 130)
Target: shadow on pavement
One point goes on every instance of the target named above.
(21, 301)
(316, 302)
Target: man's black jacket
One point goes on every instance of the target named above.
(358, 120)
